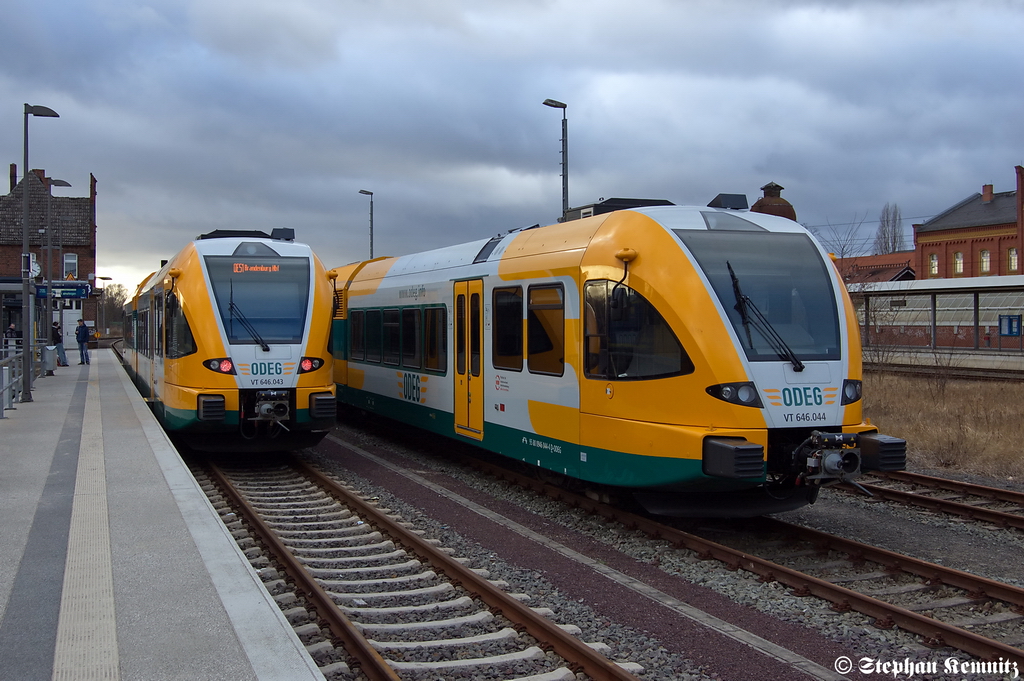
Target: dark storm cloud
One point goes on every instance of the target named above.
(255, 114)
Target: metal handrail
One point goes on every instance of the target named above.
(11, 367)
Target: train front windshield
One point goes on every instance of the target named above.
(261, 299)
(780, 275)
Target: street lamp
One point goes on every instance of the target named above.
(555, 104)
(103, 306)
(370, 194)
(26, 262)
(50, 182)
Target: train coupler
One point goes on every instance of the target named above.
(828, 458)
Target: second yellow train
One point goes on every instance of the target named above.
(706, 360)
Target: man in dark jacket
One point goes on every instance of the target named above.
(82, 336)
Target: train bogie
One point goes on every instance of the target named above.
(705, 359)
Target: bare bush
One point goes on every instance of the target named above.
(972, 426)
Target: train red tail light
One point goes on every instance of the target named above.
(307, 364)
(220, 365)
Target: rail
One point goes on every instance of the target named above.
(934, 632)
(550, 635)
(950, 496)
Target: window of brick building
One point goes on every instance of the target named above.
(71, 265)
(933, 265)
(986, 261)
(1011, 260)
(958, 263)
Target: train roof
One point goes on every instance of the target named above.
(570, 236)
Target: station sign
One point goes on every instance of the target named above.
(66, 290)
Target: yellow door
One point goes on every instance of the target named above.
(469, 384)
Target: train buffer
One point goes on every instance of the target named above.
(112, 558)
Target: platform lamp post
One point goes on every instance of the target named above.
(555, 104)
(50, 182)
(370, 194)
(26, 262)
(103, 308)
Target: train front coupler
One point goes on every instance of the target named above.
(830, 458)
(272, 405)
(827, 458)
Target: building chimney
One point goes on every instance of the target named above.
(986, 193)
(14, 176)
(772, 202)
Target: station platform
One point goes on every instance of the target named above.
(113, 564)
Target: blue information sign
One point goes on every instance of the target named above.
(1009, 324)
(66, 289)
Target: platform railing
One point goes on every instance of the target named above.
(11, 367)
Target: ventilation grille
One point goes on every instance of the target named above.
(211, 408)
(322, 406)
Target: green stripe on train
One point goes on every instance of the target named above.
(602, 466)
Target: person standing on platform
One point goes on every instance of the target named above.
(11, 336)
(57, 338)
(82, 336)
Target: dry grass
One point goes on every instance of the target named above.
(972, 426)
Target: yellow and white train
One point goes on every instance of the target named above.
(708, 360)
(228, 341)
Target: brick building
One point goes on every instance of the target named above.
(72, 255)
(981, 236)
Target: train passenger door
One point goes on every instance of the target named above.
(469, 383)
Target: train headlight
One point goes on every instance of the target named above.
(307, 364)
(743, 394)
(220, 365)
(851, 391)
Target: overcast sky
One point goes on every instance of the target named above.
(252, 114)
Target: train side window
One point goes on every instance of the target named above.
(545, 330)
(179, 341)
(356, 343)
(373, 335)
(507, 333)
(475, 340)
(460, 334)
(435, 323)
(392, 340)
(143, 345)
(411, 345)
(625, 338)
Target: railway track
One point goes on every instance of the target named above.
(402, 607)
(948, 372)
(1001, 507)
(943, 606)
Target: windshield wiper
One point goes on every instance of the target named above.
(246, 324)
(751, 316)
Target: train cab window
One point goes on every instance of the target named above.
(179, 341)
(507, 330)
(373, 336)
(626, 338)
(356, 344)
(435, 333)
(781, 275)
(392, 338)
(411, 357)
(545, 330)
(261, 297)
